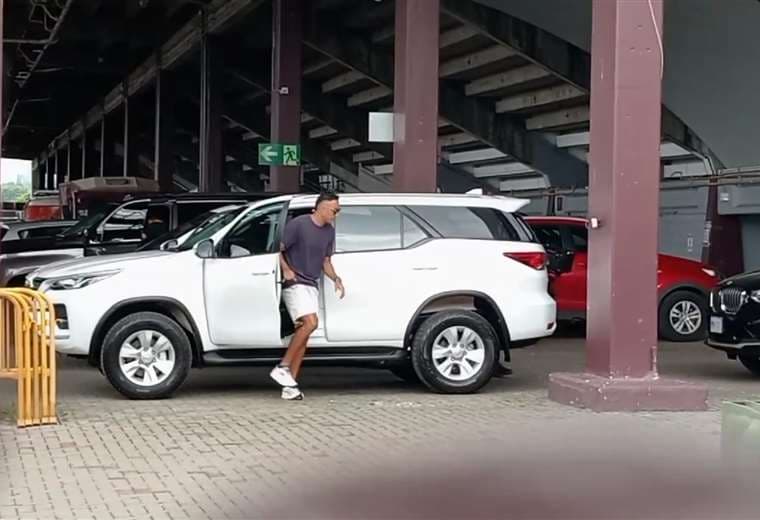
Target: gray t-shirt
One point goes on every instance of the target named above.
(306, 245)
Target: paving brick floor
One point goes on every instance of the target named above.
(226, 446)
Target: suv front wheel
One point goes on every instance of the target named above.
(455, 352)
(146, 356)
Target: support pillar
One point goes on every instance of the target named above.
(50, 171)
(723, 249)
(2, 105)
(211, 164)
(415, 96)
(285, 118)
(621, 345)
(163, 148)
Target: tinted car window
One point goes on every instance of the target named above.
(189, 210)
(579, 235)
(412, 233)
(254, 234)
(368, 228)
(127, 223)
(472, 223)
(549, 236)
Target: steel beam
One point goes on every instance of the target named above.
(342, 80)
(368, 96)
(469, 114)
(504, 80)
(568, 62)
(221, 14)
(539, 98)
(559, 119)
(475, 60)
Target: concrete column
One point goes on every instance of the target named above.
(285, 118)
(211, 147)
(624, 182)
(415, 148)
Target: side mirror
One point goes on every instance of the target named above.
(205, 249)
(560, 261)
(169, 245)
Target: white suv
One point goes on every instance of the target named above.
(436, 287)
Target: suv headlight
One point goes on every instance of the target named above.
(77, 281)
(755, 295)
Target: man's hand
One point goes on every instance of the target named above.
(339, 288)
(289, 275)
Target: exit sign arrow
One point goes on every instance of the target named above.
(269, 154)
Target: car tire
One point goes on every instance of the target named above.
(750, 358)
(406, 373)
(163, 369)
(449, 374)
(675, 305)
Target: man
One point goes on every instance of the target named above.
(306, 250)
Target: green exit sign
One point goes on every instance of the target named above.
(275, 154)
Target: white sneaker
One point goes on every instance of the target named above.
(282, 376)
(292, 393)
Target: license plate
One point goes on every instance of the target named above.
(716, 325)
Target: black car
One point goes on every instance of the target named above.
(112, 229)
(735, 319)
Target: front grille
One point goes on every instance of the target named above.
(732, 299)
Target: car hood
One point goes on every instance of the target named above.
(95, 263)
(750, 280)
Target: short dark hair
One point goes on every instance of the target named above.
(325, 196)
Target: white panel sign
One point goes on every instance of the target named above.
(381, 127)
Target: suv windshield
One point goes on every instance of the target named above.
(94, 218)
(209, 228)
(184, 228)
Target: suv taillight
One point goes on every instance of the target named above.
(535, 260)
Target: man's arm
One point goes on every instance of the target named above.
(287, 271)
(330, 272)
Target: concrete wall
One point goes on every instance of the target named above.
(712, 48)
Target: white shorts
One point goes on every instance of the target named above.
(301, 300)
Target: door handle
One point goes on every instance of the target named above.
(261, 274)
(424, 268)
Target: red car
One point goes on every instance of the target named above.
(683, 285)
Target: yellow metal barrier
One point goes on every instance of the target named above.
(27, 353)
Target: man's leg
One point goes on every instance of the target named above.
(297, 348)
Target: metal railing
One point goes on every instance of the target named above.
(27, 353)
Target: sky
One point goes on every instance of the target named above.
(14, 170)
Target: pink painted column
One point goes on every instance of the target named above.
(624, 184)
(415, 91)
(285, 118)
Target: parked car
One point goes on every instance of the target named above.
(22, 230)
(735, 319)
(421, 297)
(111, 228)
(683, 285)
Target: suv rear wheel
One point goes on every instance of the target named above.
(683, 317)
(146, 356)
(455, 352)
